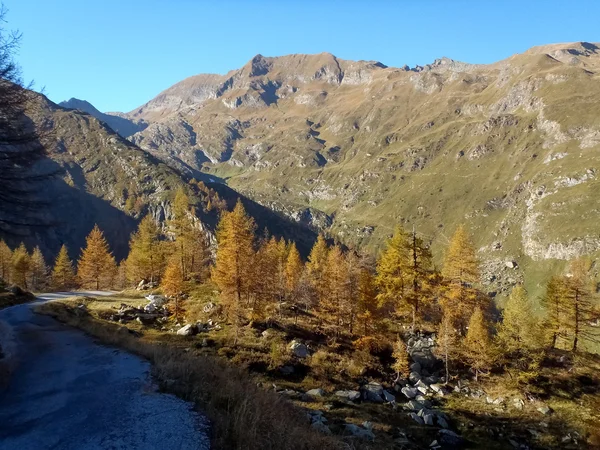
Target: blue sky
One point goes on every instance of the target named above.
(118, 54)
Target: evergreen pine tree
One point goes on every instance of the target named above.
(96, 267)
(63, 275)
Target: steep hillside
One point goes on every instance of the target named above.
(107, 180)
(355, 147)
(122, 125)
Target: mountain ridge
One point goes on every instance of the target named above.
(353, 148)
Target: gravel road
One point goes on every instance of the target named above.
(68, 392)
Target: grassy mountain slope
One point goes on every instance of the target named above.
(107, 180)
(355, 147)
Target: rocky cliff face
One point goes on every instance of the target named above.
(508, 148)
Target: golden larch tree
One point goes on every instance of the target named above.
(38, 270)
(335, 280)
(173, 284)
(315, 267)
(234, 259)
(477, 344)
(461, 275)
(20, 266)
(369, 313)
(447, 343)
(519, 330)
(63, 275)
(5, 261)
(191, 244)
(579, 299)
(96, 267)
(401, 363)
(555, 304)
(146, 259)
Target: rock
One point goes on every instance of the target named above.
(416, 418)
(388, 397)
(414, 377)
(355, 430)
(187, 330)
(267, 333)
(298, 349)
(450, 439)
(367, 425)
(415, 405)
(409, 392)
(428, 419)
(415, 367)
(316, 392)
(545, 410)
(511, 264)
(518, 403)
(437, 388)
(442, 422)
(373, 392)
(434, 444)
(348, 395)
(286, 370)
(431, 379)
(208, 307)
(320, 427)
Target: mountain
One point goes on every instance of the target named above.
(107, 180)
(122, 125)
(354, 147)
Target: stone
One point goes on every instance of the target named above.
(208, 307)
(409, 392)
(421, 398)
(437, 388)
(416, 418)
(442, 422)
(298, 349)
(511, 264)
(428, 419)
(348, 395)
(388, 397)
(316, 392)
(415, 367)
(287, 370)
(187, 330)
(367, 425)
(373, 392)
(545, 410)
(518, 403)
(450, 439)
(267, 333)
(414, 377)
(355, 430)
(320, 427)
(415, 405)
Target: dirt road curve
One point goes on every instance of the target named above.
(69, 392)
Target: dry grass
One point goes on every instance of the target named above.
(243, 416)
